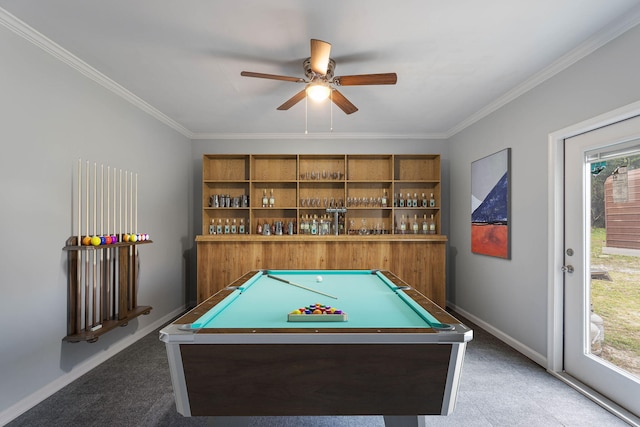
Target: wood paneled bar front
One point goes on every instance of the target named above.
(418, 259)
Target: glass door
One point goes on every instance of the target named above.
(602, 261)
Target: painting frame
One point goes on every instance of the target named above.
(491, 205)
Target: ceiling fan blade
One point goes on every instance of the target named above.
(272, 77)
(293, 100)
(342, 102)
(366, 79)
(320, 52)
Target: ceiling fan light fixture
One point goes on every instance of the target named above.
(318, 91)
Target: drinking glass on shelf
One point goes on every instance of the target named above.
(363, 228)
(324, 174)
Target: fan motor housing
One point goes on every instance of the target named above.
(312, 75)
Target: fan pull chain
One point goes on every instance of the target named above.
(306, 129)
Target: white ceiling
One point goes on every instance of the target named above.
(456, 60)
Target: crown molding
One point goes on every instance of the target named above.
(589, 46)
(316, 136)
(38, 39)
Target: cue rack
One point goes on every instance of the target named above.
(103, 262)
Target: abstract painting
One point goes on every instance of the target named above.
(490, 205)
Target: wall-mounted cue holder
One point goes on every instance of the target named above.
(102, 258)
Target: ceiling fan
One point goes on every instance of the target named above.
(320, 80)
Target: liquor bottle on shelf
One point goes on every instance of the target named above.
(432, 201)
(403, 225)
(425, 203)
(395, 201)
(241, 226)
(259, 229)
(314, 225)
(212, 226)
(272, 199)
(415, 226)
(265, 200)
(425, 225)
(234, 226)
(383, 201)
(432, 225)
(227, 226)
(414, 201)
(303, 225)
(407, 201)
(219, 226)
(401, 201)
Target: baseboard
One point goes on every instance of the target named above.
(515, 344)
(56, 385)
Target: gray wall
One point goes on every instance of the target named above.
(510, 297)
(50, 116)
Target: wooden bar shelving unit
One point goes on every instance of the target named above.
(369, 235)
(115, 299)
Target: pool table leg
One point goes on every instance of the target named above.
(178, 380)
(453, 378)
(404, 421)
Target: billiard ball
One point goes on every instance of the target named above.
(86, 240)
(318, 278)
(95, 241)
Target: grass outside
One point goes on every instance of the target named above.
(618, 303)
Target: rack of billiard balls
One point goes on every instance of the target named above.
(317, 313)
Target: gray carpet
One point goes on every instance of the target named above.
(499, 387)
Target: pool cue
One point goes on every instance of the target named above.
(107, 267)
(300, 286)
(116, 275)
(95, 231)
(114, 252)
(131, 263)
(134, 293)
(86, 258)
(78, 308)
(102, 253)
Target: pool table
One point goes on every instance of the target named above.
(393, 352)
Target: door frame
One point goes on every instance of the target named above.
(555, 241)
